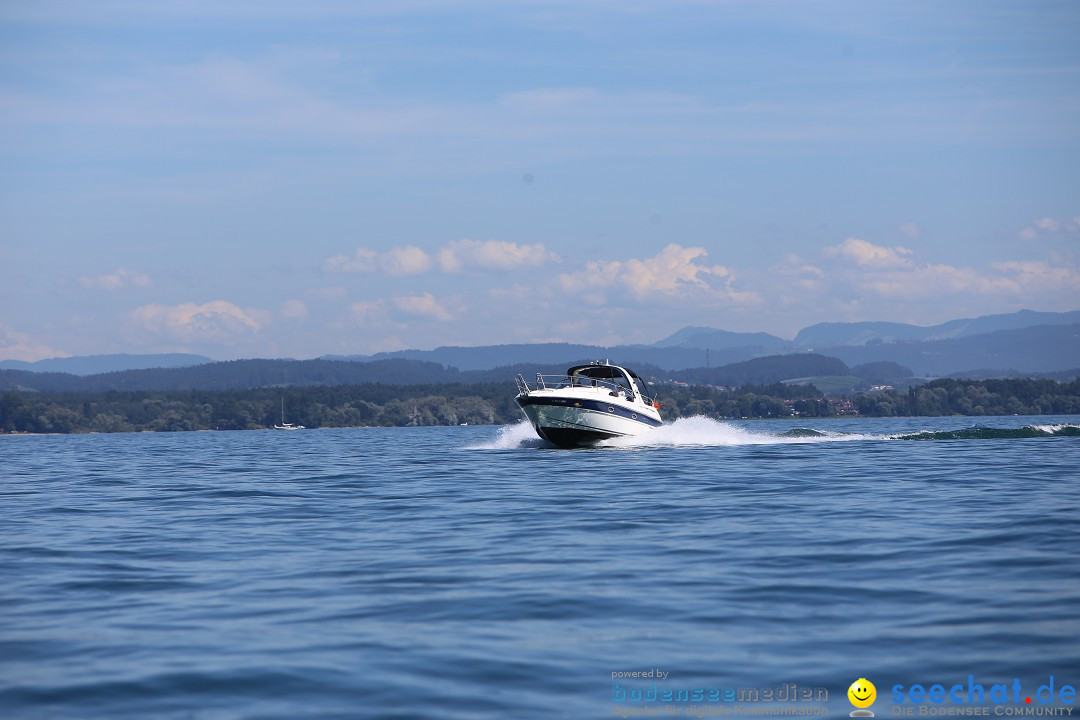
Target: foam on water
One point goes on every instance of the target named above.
(982, 432)
(703, 431)
(1061, 429)
(685, 432)
(700, 431)
(512, 437)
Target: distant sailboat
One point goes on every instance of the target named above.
(284, 425)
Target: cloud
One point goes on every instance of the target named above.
(16, 345)
(800, 273)
(674, 271)
(367, 310)
(454, 257)
(406, 260)
(929, 281)
(1038, 275)
(424, 305)
(871, 256)
(895, 273)
(216, 321)
(294, 309)
(362, 261)
(492, 255)
(117, 280)
(596, 274)
(397, 261)
(670, 270)
(1045, 225)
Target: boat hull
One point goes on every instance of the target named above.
(569, 421)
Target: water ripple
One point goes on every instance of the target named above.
(476, 572)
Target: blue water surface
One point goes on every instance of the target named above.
(471, 572)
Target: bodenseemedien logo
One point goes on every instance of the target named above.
(862, 694)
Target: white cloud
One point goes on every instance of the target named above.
(397, 261)
(1049, 225)
(674, 272)
(871, 256)
(455, 256)
(597, 274)
(294, 309)
(405, 260)
(670, 270)
(366, 311)
(16, 345)
(890, 273)
(423, 305)
(1037, 275)
(931, 281)
(362, 261)
(117, 280)
(801, 273)
(215, 321)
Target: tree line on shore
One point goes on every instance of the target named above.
(493, 403)
(257, 373)
(975, 397)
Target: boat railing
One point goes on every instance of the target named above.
(560, 382)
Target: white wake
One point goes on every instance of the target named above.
(512, 437)
(696, 431)
(703, 431)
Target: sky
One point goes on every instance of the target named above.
(260, 178)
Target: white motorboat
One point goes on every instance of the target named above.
(590, 403)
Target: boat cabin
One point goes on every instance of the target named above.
(613, 376)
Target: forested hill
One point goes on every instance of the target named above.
(765, 370)
(238, 374)
(245, 374)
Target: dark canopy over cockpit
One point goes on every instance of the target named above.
(613, 377)
(601, 371)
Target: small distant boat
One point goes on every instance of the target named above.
(589, 404)
(284, 425)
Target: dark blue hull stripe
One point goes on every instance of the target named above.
(598, 406)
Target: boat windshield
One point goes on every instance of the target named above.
(609, 374)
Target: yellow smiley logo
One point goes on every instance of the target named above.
(862, 693)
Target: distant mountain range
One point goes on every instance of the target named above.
(867, 333)
(703, 337)
(94, 364)
(1024, 342)
(246, 374)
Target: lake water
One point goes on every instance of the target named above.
(470, 572)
